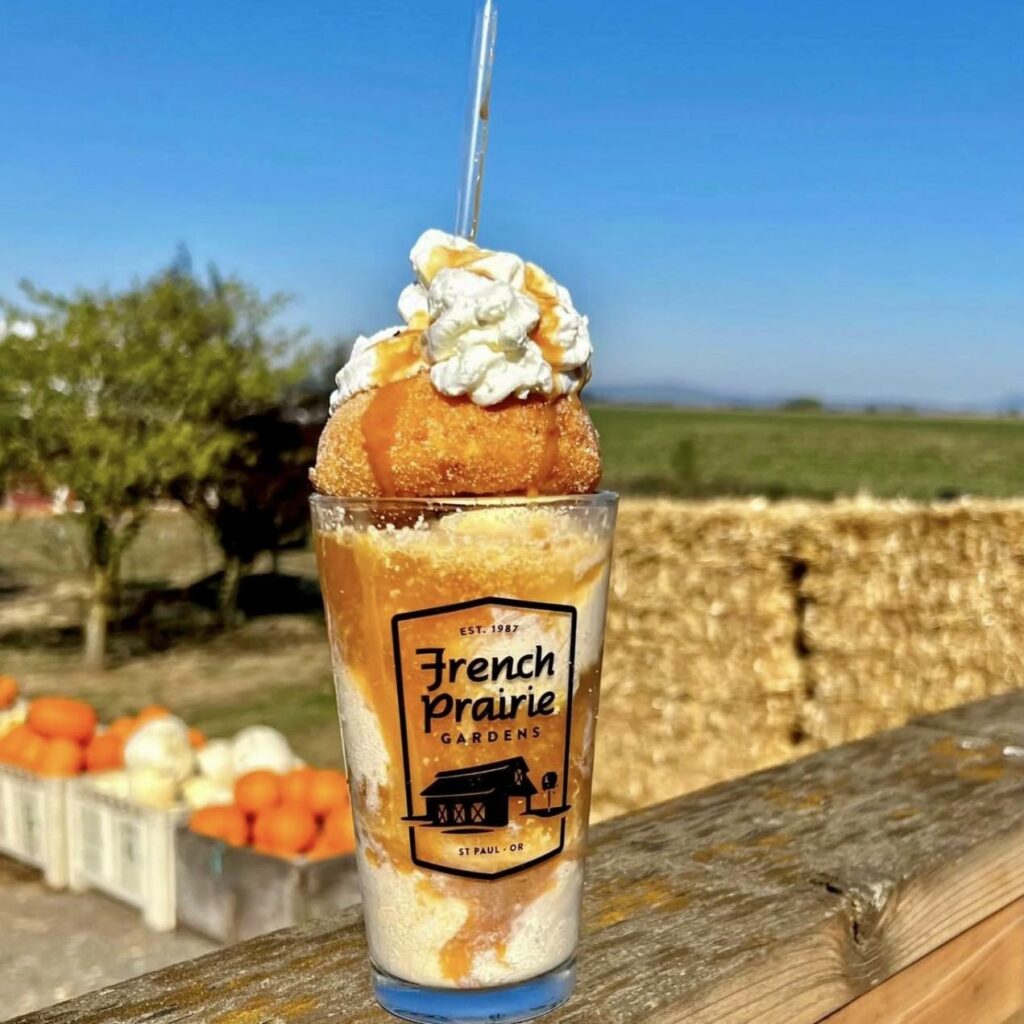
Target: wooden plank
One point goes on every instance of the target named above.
(977, 977)
(997, 718)
(774, 899)
(871, 825)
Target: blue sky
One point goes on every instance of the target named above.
(753, 197)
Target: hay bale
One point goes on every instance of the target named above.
(701, 678)
(685, 744)
(721, 660)
(910, 609)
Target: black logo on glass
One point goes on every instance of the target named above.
(485, 797)
(485, 686)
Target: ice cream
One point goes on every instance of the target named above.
(467, 622)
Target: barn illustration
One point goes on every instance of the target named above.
(483, 796)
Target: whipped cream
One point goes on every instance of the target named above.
(485, 324)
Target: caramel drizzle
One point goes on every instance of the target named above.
(443, 258)
(380, 428)
(540, 288)
(493, 911)
(489, 923)
(399, 357)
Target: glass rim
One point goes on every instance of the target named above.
(593, 499)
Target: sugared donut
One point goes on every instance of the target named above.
(405, 439)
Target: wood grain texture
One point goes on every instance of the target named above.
(773, 899)
(997, 718)
(977, 978)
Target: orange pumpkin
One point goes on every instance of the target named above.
(224, 822)
(151, 713)
(321, 850)
(328, 790)
(61, 758)
(104, 753)
(13, 742)
(258, 791)
(339, 831)
(261, 831)
(62, 718)
(295, 785)
(123, 727)
(32, 752)
(196, 738)
(8, 691)
(291, 829)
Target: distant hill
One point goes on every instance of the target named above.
(1013, 403)
(676, 394)
(692, 396)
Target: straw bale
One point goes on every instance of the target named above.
(686, 744)
(721, 660)
(829, 724)
(910, 609)
(701, 678)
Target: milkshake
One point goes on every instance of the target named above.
(464, 559)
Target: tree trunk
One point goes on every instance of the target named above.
(227, 599)
(97, 617)
(104, 561)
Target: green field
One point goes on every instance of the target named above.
(709, 453)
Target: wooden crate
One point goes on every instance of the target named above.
(231, 893)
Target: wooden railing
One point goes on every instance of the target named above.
(880, 882)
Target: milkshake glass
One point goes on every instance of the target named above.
(466, 636)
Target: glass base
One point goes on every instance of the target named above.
(505, 1005)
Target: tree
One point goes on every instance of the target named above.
(803, 403)
(117, 395)
(313, 388)
(258, 500)
(13, 457)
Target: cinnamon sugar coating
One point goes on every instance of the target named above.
(405, 439)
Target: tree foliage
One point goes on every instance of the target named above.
(259, 499)
(117, 395)
(312, 390)
(803, 403)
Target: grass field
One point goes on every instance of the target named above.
(705, 453)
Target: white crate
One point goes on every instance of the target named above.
(123, 849)
(33, 823)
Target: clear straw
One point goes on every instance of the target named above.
(467, 215)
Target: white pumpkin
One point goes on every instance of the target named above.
(152, 787)
(259, 747)
(161, 745)
(12, 717)
(216, 762)
(200, 792)
(111, 783)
